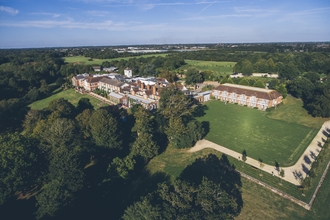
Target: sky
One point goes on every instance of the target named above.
(65, 23)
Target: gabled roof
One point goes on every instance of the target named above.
(111, 82)
(91, 79)
(249, 91)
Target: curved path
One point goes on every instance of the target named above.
(293, 174)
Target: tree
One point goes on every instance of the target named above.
(104, 129)
(64, 107)
(282, 174)
(31, 120)
(273, 83)
(244, 82)
(65, 178)
(312, 76)
(44, 88)
(21, 165)
(143, 120)
(193, 76)
(144, 147)
(259, 84)
(184, 200)
(120, 167)
(244, 156)
(247, 67)
(142, 210)
(149, 70)
(62, 132)
(301, 88)
(281, 88)
(230, 80)
(177, 133)
(173, 103)
(84, 103)
(83, 122)
(168, 75)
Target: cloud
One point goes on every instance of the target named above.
(54, 15)
(72, 24)
(97, 13)
(9, 10)
(304, 17)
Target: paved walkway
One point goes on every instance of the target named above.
(293, 174)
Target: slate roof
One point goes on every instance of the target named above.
(112, 82)
(249, 91)
(91, 79)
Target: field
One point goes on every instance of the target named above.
(238, 128)
(84, 60)
(69, 95)
(218, 68)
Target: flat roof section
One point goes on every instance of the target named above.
(247, 87)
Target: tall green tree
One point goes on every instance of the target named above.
(63, 107)
(144, 147)
(104, 129)
(193, 76)
(244, 82)
(21, 165)
(65, 178)
(173, 103)
(259, 84)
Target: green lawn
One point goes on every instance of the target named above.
(292, 111)
(238, 128)
(218, 68)
(69, 95)
(84, 60)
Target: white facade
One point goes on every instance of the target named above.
(128, 72)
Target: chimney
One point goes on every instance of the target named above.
(154, 89)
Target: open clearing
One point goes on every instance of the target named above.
(218, 68)
(70, 94)
(238, 128)
(84, 60)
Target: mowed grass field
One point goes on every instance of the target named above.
(84, 60)
(70, 94)
(218, 68)
(271, 138)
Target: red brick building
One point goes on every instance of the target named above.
(247, 95)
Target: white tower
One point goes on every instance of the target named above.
(128, 72)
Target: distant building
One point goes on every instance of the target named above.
(247, 95)
(110, 69)
(97, 68)
(128, 72)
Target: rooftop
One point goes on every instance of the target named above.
(247, 87)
